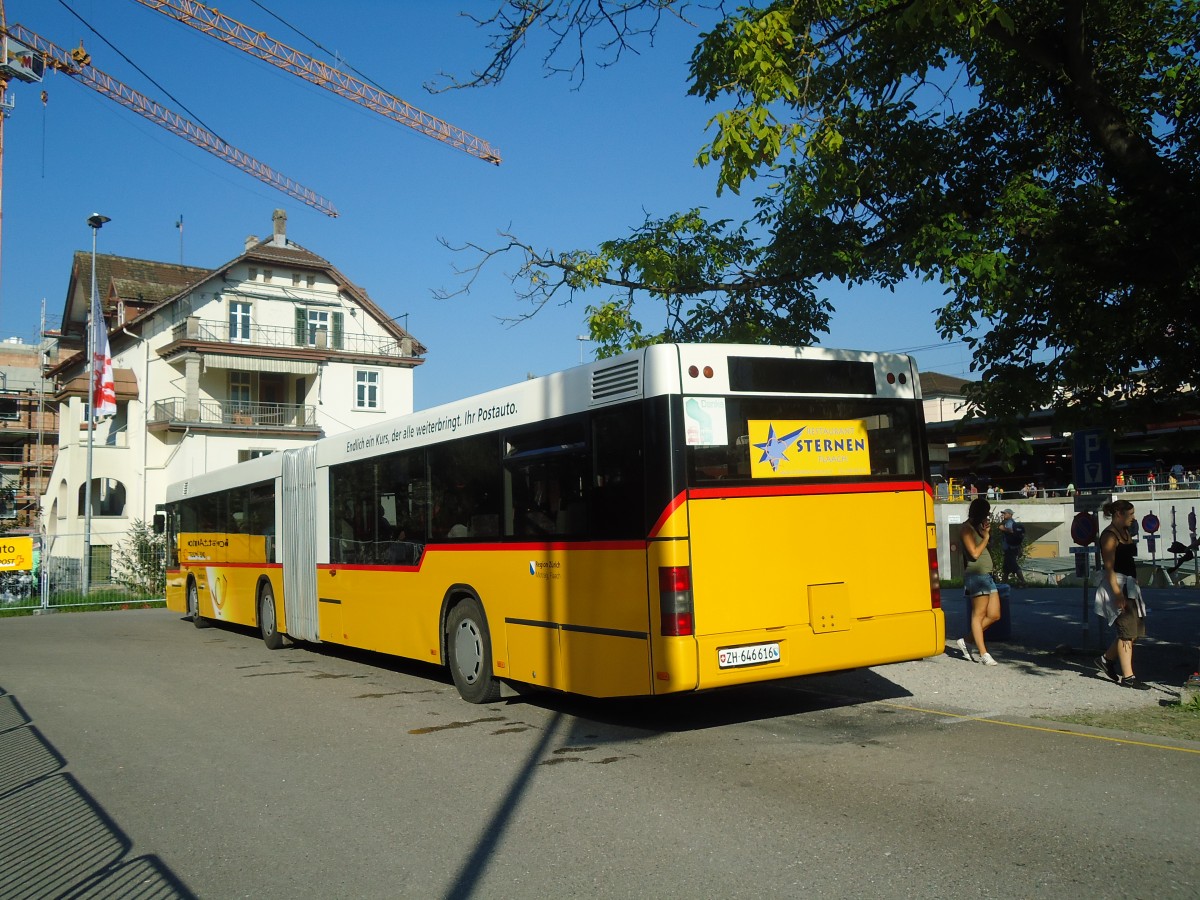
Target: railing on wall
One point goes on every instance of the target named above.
(230, 412)
(288, 336)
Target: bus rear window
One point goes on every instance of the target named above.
(801, 376)
(760, 439)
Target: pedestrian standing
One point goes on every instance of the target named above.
(1013, 534)
(977, 578)
(1118, 598)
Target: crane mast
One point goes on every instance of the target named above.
(256, 43)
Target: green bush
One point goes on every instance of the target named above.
(140, 561)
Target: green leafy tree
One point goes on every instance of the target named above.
(140, 561)
(1038, 161)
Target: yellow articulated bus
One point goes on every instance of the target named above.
(678, 518)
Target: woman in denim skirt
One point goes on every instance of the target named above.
(977, 577)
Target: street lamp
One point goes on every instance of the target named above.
(581, 338)
(95, 222)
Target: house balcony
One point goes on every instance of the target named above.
(213, 336)
(279, 419)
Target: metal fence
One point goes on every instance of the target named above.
(127, 569)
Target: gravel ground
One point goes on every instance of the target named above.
(1047, 666)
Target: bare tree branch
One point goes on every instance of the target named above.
(614, 26)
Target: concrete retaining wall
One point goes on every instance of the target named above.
(1048, 523)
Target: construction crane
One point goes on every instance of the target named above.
(27, 55)
(256, 43)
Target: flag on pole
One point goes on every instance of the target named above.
(104, 391)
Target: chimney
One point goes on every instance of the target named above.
(251, 240)
(280, 220)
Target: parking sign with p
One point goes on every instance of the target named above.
(1093, 460)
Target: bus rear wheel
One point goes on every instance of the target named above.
(469, 649)
(193, 605)
(267, 622)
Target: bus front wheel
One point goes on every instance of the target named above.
(470, 653)
(193, 605)
(267, 622)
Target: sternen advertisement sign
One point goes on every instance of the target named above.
(808, 448)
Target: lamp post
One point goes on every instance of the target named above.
(581, 338)
(95, 222)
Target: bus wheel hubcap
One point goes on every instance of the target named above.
(468, 651)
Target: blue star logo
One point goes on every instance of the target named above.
(775, 448)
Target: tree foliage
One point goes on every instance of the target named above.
(140, 561)
(1037, 160)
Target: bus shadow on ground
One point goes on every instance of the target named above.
(720, 707)
(437, 676)
(672, 712)
(57, 840)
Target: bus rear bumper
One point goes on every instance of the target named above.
(803, 651)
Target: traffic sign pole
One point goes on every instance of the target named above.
(1083, 532)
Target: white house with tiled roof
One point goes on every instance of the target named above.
(272, 349)
(943, 399)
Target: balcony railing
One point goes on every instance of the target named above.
(285, 336)
(230, 412)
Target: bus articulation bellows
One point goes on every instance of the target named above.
(678, 518)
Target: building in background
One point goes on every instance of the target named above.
(28, 432)
(272, 349)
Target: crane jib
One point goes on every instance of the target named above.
(256, 43)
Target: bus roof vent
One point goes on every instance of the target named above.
(617, 382)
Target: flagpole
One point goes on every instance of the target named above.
(96, 221)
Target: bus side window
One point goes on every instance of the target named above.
(616, 503)
(464, 485)
(547, 479)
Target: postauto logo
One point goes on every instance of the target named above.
(544, 569)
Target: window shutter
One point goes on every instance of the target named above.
(337, 330)
(301, 327)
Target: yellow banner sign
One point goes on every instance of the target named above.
(16, 554)
(808, 448)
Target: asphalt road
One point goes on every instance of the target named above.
(141, 757)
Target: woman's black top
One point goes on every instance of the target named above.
(1123, 563)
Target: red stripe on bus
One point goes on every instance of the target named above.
(541, 545)
(793, 490)
(210, 564)
(677, 502)
(362, 567)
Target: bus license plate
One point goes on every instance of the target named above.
(750, 655)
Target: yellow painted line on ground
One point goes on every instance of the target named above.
(1095, 737)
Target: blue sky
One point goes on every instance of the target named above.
(581, 163)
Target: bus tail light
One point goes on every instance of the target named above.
(675, 601)
(935, 580)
